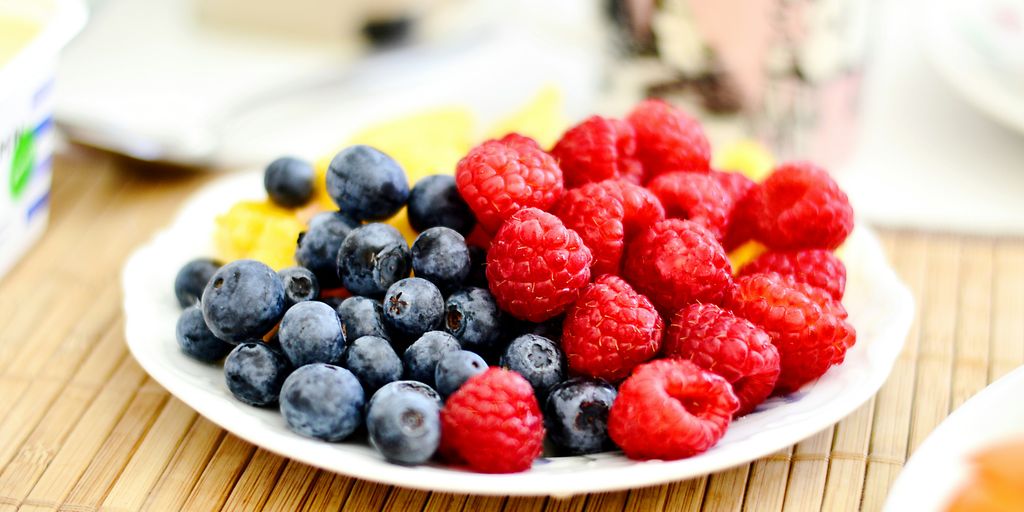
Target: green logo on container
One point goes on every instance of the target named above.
(22, 162)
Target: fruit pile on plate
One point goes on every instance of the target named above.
(582, 294)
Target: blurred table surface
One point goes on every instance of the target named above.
(83, 428)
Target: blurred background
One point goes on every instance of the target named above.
(916, 106)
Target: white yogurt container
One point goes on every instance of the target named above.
(32, 33)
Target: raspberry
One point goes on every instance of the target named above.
(641, 207)
(801, 207)
(536, 266)
(697, 197)
(727, 345)
(493, 423)
(742, 225)
(500, 177)
(605, 214)
(667, 139)
(677, 262)
(816, 267)
(610, 330)
(596, 149)
(809, 332)
(670, 409)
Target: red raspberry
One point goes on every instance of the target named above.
(536, 267)
(610, 330)
(816, 267)
(596, 149)
(728, 345)
(500, 177)
(605, 214)
(809, 332)
(697, 197)
(677, 262)
(742, 225)
(667, 139)
(670, 409)
(801, 207)
(641, 207)
(493, 422)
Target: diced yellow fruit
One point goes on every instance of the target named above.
(430, 142)
(541, 118)
(258, 230)
(746, 156)
(744, 254)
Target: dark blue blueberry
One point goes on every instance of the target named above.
(440, 256)
(300, 285)
(192, 279)
(243, 300)
(362, 316)
(403, 386)
(367, 184)
(311, 333)
(472, 316)
(372, 360)
(576, 415)
(413, 306)
(405, 427)
(372, 258)
(420, 359)
(196, 339)
(318, 246)
(536, 358)
(289, 181)
(477, 267)
(322, 401)
(454, 368)
(254, 373)
(435, 201)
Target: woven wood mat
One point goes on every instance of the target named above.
(83, 428)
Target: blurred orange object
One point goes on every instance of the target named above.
(997, 482)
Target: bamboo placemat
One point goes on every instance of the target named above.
(85, 429)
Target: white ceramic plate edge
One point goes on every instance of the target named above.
(602, 472)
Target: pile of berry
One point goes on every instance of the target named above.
(582, 293)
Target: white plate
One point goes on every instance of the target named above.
(941, 464)
(880, 307)
(962, 40)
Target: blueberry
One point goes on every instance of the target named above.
(372, 360)
(317, 248)
(402, 386)
(455, 368)
(243, 300)
(472, 316)
(192, 279)
(311, 333)
(289, 181)
(367, 184)
(440, 256)
(322, 401)
(421, 358)
(435, 201)
(576, 415)
(550, 329)
(195, 338)
(477, 267)
(536, 358)
(300, 285)
(254, 373)
(413, 306)
(372, 258)
(362, 316)
(405, 427)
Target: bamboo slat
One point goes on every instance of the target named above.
(83, 428)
